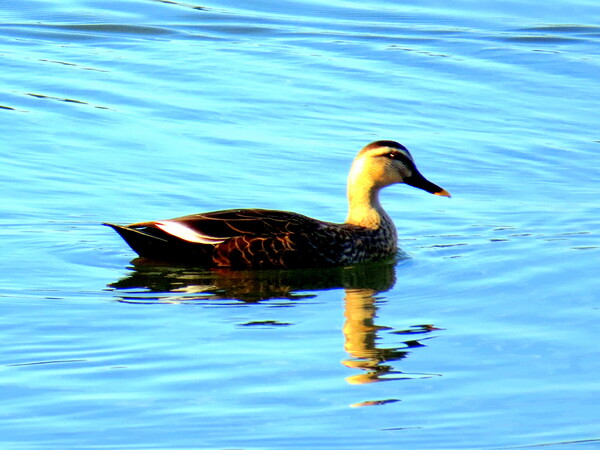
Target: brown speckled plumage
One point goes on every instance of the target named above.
(259, 238)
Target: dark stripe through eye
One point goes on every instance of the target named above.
(399, 157)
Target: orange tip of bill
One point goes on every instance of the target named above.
(443, 193)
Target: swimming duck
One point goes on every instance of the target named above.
(261, 238)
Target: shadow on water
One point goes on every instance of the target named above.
(154, 283)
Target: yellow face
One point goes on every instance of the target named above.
(387, 162)
(395, 165)
(383, 165)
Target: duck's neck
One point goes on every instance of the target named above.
(364, 207)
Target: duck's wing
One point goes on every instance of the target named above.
(218, 226)
(236, 237)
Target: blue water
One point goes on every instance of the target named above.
(482, 335)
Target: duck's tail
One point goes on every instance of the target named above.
(144, 242)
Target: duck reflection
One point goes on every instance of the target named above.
(361, 334)
(150, 282)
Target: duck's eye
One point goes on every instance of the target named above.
(400, 157)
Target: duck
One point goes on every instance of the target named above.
(272, 239)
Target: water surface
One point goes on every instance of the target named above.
(480, 335)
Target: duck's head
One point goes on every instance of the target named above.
(382, 163)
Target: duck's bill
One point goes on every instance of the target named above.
(443, 193)
(419, 181)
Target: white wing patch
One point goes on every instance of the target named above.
(187, 234)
